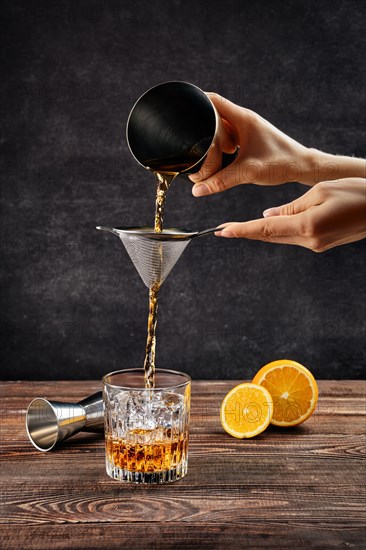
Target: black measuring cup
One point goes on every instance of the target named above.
(172, 127)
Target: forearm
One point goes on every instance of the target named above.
(325, 167)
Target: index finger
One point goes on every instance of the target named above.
(225, 107)
(278, 229)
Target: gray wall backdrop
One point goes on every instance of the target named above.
(72, 304)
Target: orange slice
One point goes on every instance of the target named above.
(246, 410)
(293, 389)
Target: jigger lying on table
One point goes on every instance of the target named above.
(49, 422)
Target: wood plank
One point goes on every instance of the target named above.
(177, 536)
(285, 488)
(78, 389)
(239, 492)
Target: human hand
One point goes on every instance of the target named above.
(266, 156)
(330, 214)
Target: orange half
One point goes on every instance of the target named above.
(293, 389)
(246, 410)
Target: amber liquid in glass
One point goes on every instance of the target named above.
(164, 453)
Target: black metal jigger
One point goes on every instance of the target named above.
(50, 422)
(172, 126)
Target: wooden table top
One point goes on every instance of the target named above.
(295, 488)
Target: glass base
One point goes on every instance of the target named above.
(147, 478)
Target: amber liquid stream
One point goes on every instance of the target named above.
(165, 172)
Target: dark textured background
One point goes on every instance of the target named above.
(72, 303)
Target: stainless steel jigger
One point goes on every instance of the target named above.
(173, 120)
(49, 422)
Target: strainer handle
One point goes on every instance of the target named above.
(109, 229)
(206, 231)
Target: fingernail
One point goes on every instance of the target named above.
(227, 233)
(275, 211)
(218, 233)
(200, 189)
(194, 177)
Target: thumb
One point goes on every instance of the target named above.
(295, 207)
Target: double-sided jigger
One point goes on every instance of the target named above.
(49, 422)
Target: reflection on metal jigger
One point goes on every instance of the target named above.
(49, 422)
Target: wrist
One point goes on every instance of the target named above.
(325, 167)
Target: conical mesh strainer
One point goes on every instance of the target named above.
(154, 254)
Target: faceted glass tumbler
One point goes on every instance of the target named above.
(146, 430)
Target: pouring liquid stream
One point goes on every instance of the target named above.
(165, 172)
(163, 182)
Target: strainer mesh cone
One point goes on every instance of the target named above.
(153, 259)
